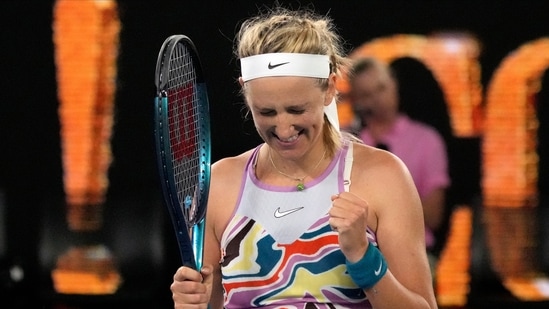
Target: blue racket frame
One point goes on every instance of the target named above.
(189, 234)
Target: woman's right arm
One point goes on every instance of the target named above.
(191, 289)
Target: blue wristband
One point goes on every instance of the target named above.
(369, 270)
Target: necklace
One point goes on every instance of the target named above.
(300, 185)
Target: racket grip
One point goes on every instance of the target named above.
(198, 243)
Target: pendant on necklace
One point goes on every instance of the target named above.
(300, 186)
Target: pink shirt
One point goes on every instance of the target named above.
(423, 151)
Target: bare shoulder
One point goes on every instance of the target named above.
(226, 179)
(226, 167)
(383, 180)
(370, 162)
(228, 172)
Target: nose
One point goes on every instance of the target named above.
(284, 127)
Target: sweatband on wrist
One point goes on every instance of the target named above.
(369, 270)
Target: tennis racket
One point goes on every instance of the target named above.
(182, 134)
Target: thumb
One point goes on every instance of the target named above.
(206, 273)
(185, 273)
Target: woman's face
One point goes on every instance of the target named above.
(288, 112)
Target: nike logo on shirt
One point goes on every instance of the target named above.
(280, 214)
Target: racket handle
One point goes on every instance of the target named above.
(198, 243)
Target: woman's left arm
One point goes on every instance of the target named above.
(383, 186)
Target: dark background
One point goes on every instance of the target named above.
(136, 228)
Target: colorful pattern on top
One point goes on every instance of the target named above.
(279, 251)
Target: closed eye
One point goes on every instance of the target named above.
(296, 111)
(290, 110)
(270, 112)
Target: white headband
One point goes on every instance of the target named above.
(290, 64)
(285, 64)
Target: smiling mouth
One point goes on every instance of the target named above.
(291, 139)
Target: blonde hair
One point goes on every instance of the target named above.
(281, 30)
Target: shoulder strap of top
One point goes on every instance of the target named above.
(348, 167)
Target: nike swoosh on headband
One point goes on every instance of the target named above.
(272, 66)
(280, 214)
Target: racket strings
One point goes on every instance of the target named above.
(184, 130)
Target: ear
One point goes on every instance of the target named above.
(241, 81)
(331, 91)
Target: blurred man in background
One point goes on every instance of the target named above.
(374, 97)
